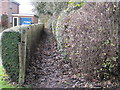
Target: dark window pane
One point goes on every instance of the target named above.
(15, 21)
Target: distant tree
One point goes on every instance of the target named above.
(49, 8)
(4, 21)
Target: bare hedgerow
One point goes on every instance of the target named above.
(89, 38)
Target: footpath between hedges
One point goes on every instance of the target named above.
(48, 69)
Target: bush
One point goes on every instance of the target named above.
(88, 37)
(10, 55)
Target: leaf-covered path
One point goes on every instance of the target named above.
(48, 69)
(44, 69)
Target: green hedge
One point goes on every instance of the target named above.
(10, 55)
(10, 39)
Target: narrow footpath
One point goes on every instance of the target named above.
(48, 69)
(45, 69)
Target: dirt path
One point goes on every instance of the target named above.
(45, 70)
(48, 69)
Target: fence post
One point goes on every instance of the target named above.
(22, 57)
(20, 65)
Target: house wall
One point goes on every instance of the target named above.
(15, 8)
(7, 7)
(4, 9)
(34, 18)
(0, 7)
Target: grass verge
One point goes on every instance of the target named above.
(3, 79)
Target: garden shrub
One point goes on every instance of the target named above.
(10, 57)
(10, 39)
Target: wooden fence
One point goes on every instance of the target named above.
(27, 38)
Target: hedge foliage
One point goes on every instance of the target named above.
(10, 55)
(89, 38)
(10, 39)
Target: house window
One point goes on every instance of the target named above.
(15, 21)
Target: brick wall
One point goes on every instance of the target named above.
(35, 19)
(7, 7)
(15, 8)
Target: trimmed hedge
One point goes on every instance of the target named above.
(10, 39)
(10, 55)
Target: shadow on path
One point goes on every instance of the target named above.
(44, 69)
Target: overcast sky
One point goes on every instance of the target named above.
(25, 6)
